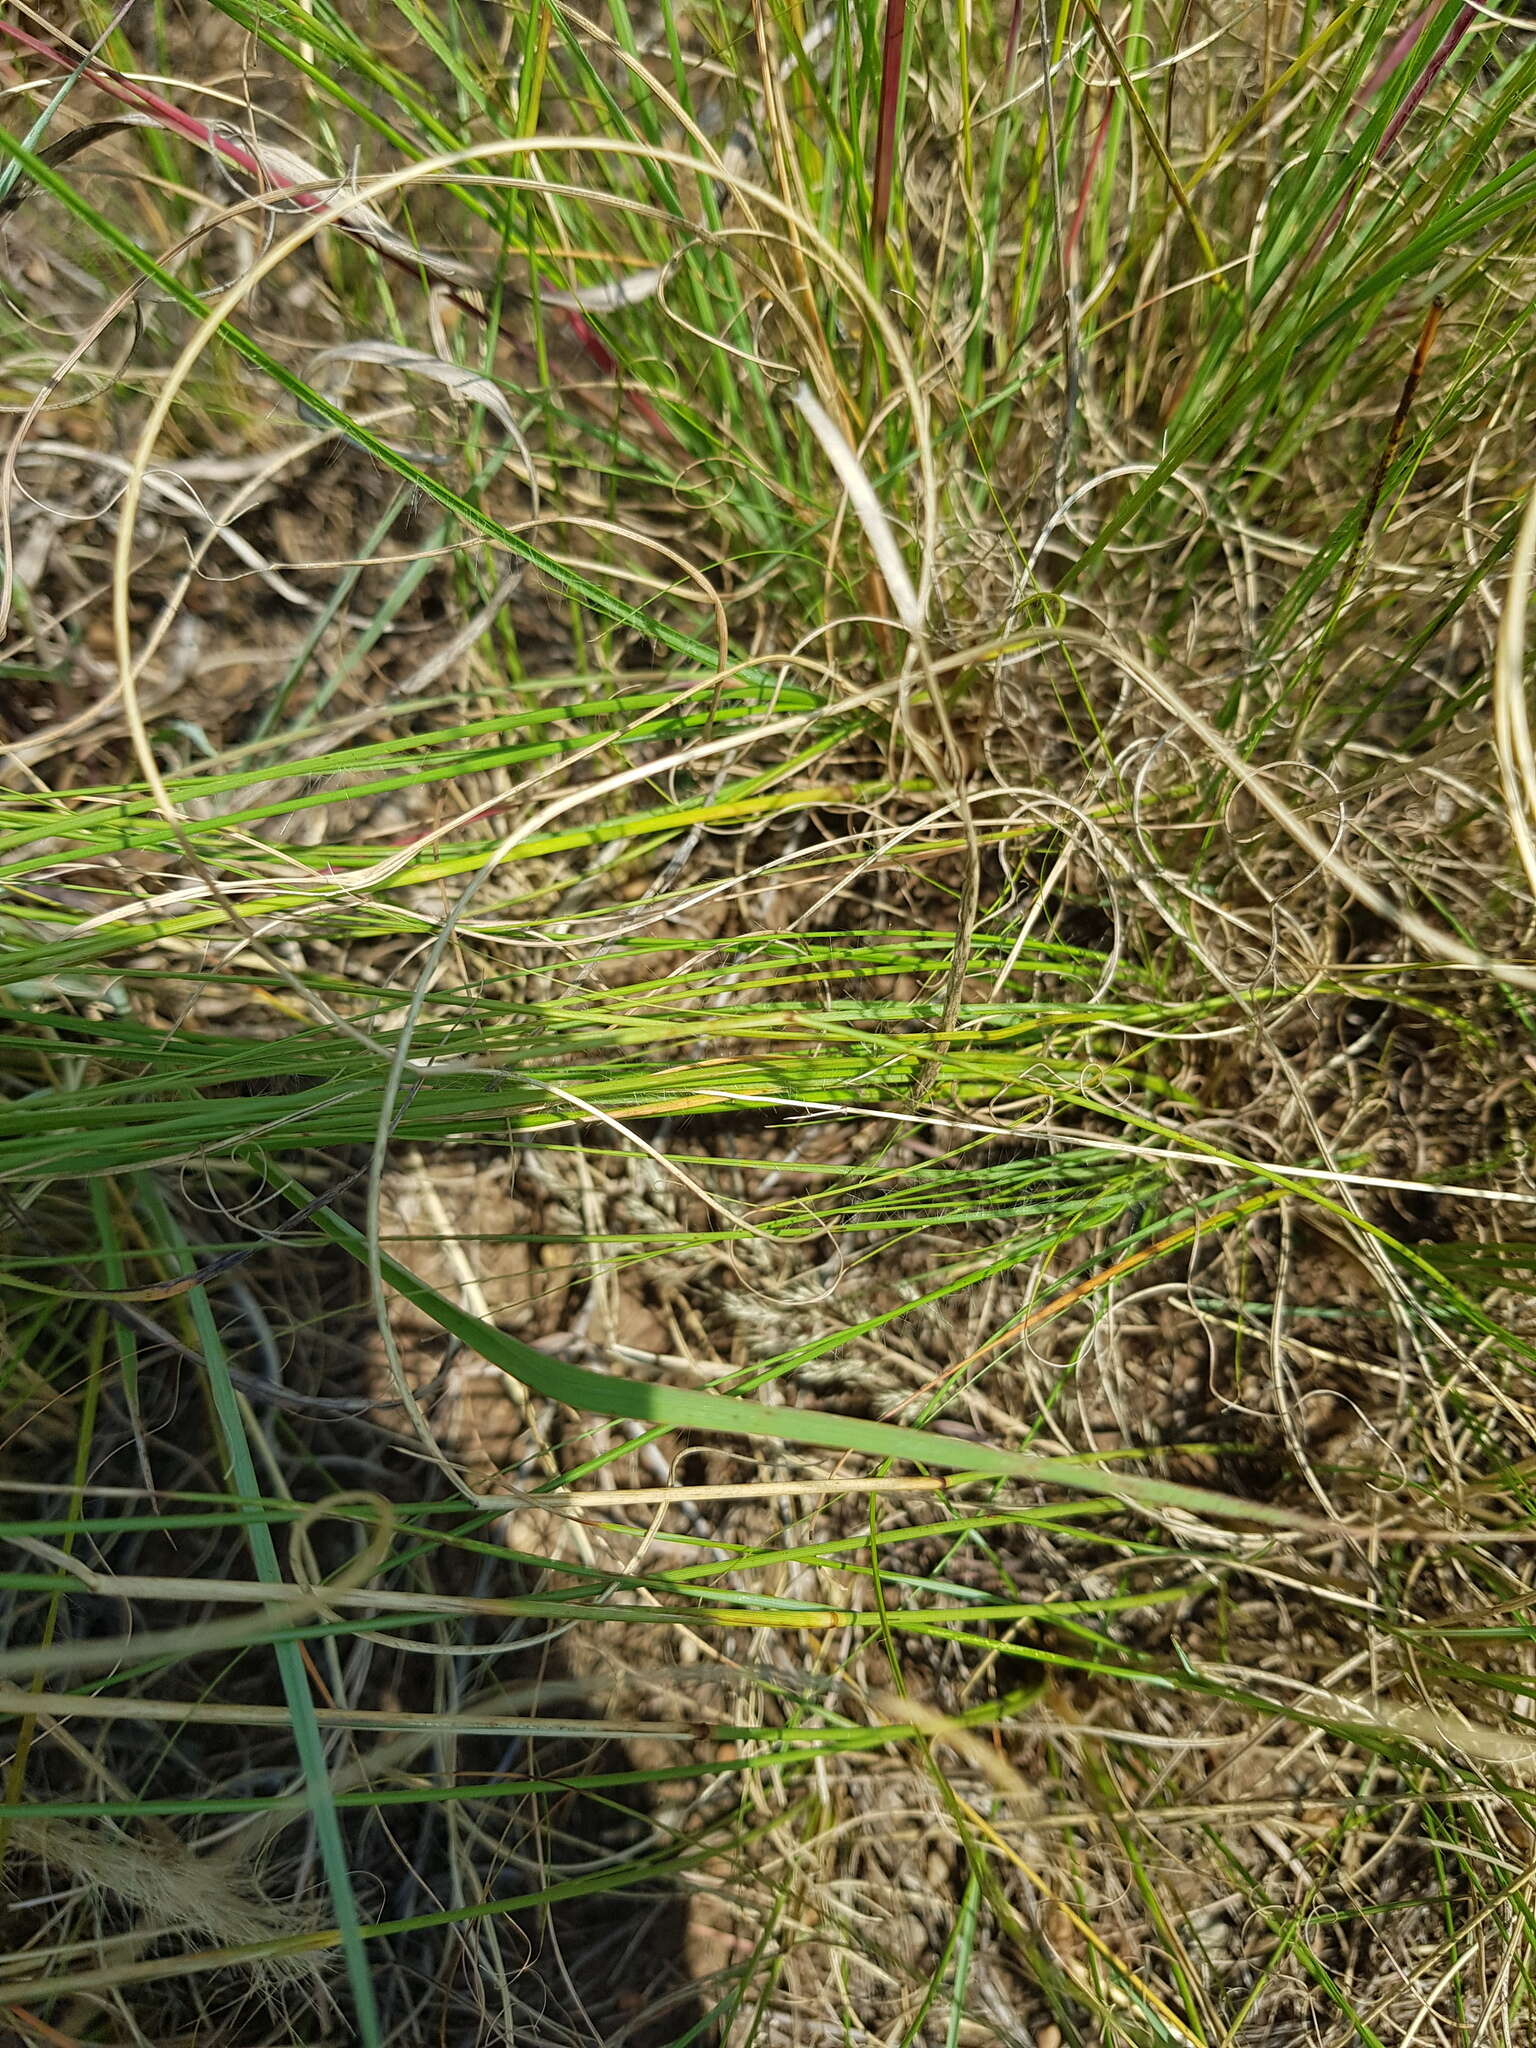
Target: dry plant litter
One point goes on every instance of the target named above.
(767, 879)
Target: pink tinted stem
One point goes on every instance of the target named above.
(1432, 70)
(885, 138)
(1086, 189)
(146, 101)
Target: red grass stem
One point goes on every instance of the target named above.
(1094, 155)
(885, 138)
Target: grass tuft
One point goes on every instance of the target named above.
(766, 908)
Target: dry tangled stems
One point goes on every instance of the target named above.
(1169, 1838)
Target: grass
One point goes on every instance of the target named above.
(765, 943)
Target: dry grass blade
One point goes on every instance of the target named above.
(466, 386)
(282, 172)
(1511, 715)
(635, 289)
(173, 1891)
(64, 147)
(867, 508)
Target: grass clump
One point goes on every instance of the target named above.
(765, 923)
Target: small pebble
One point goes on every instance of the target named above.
(1049, 2037)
